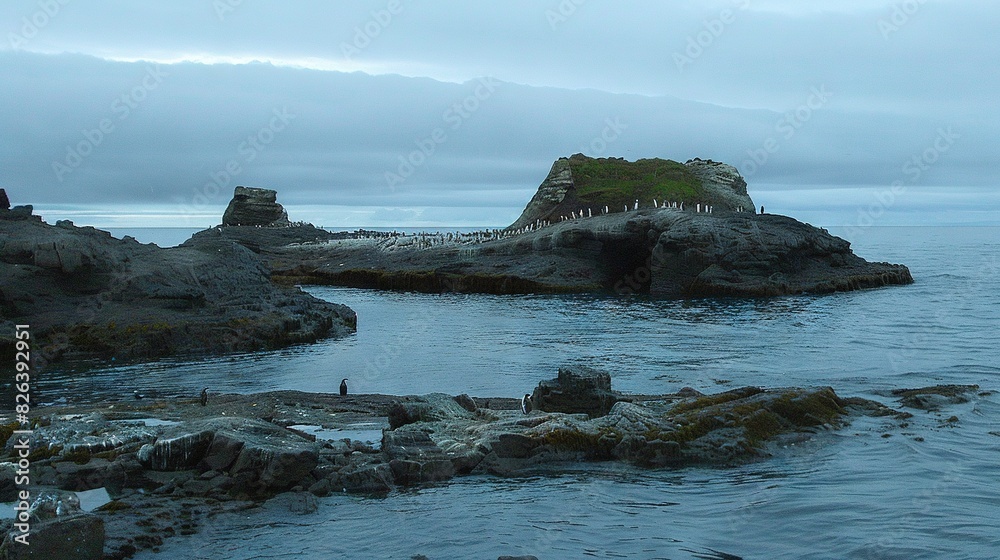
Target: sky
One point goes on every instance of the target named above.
(426, 114)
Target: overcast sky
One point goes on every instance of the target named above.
(412, 112)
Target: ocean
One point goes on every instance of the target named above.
(872, 490)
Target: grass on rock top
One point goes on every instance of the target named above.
(616, 182)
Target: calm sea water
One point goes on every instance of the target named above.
(846, 494)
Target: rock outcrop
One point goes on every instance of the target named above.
(665, 252)
(245, 447)
(261, 458)
(577, 389)
(86, 293)
(586, 186)
(255, 207)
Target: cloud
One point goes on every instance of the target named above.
(170, 110)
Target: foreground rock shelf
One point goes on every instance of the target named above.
(169, 464)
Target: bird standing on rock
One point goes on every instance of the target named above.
(526, 404)
(343, 387)
(204, 397)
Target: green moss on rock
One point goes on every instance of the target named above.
(616, 182)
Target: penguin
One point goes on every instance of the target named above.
(636, 207)
(138, 396)
(526, 404)
(761, 208)
(343, 387)
(204, 397)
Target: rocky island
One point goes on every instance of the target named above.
(594, 225)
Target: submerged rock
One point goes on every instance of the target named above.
(936, 397)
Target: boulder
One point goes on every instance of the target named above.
(77, 537)
(181, 452)
(255, 207)
(415, 458)
(4, 201)
(263, 458)
(365, 478)
(577, 389)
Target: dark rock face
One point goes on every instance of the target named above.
(577, 389)
(4, 201)
(255, 207)
(86, 294)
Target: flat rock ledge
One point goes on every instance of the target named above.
(170, 476)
